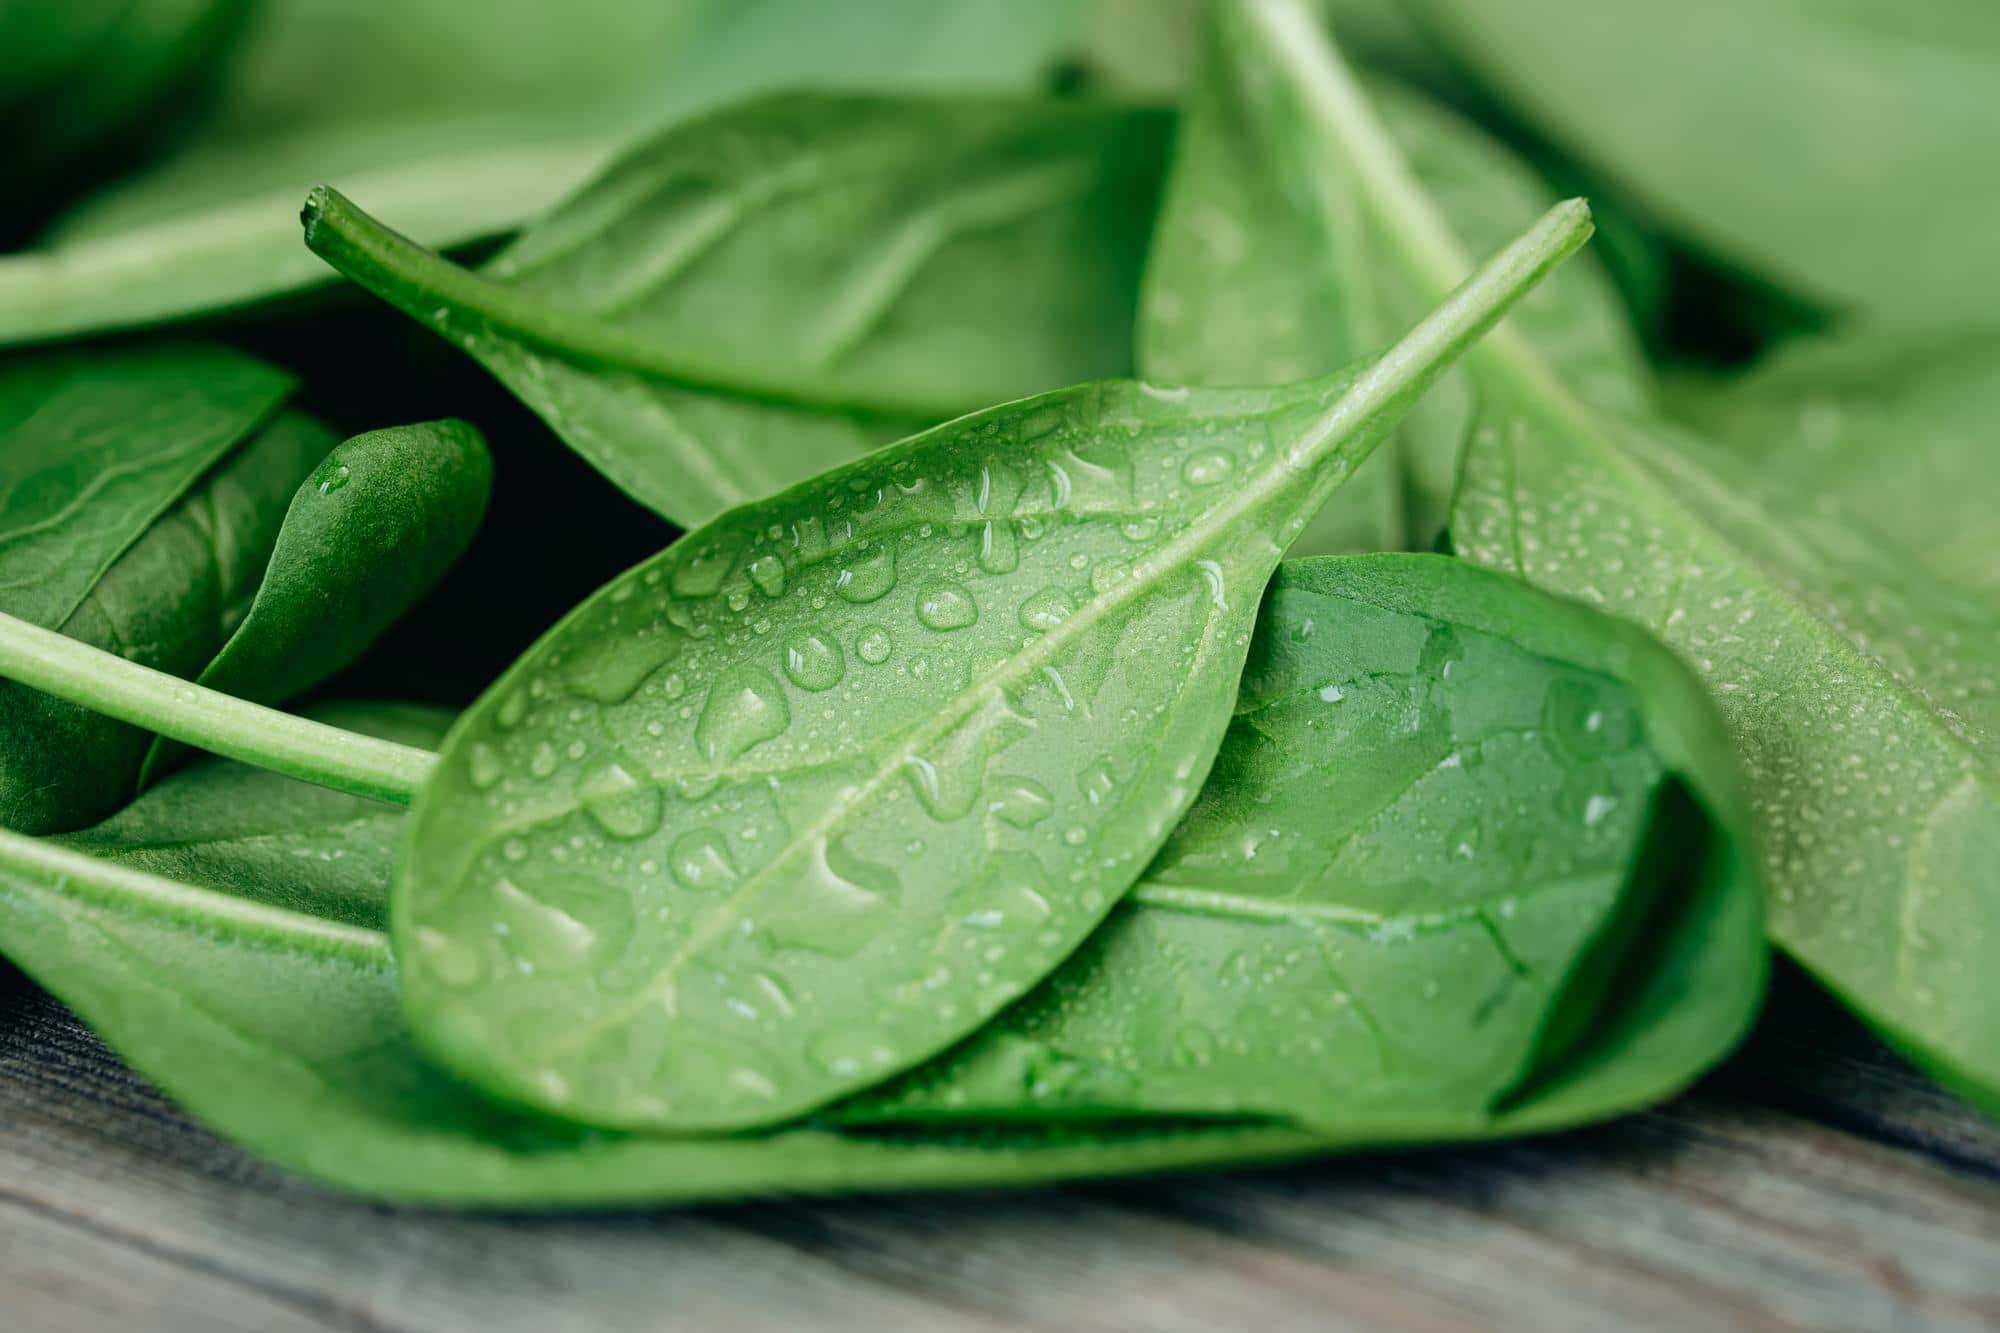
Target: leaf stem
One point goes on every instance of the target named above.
(64, 870)
(294, 746)
(1289, 38)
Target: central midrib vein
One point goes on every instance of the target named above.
(1420, 353)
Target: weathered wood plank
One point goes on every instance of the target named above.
(1771, 1199)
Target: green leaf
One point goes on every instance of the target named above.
(455, 127)
(281, 1030)
(748, 298)
(1261, 273)
(89, 76)
(162, 505)
(703, 856)
(370, 532)
(142, 492)
(254, 835)
(1858, 695)
(1830, 144)
(1446, 806)
(1862, 432)
(256, 992)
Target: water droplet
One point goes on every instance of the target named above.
(619, 664)
(331, 476)
(813, 662)
(873, 646)
(868, 575)
(999, 551)
(1022, 802)
(768, 573)
(847, 1051)
(745, 708)
(482, 765)
(1097, 783)
(697, 573)
(838, 902)
(946, 606)
(1207, 468)
(700, 860)
(1045, 610)
(624, 805)
(1589, 720)
(512, 709)
(1142, 529)
(544, 760)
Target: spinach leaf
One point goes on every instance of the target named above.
(371, 531)
(457, 127)
(1862, 431)
(126, 529)
(746, 299)
(86, 76)
(261, 837)
(1262, 273)
(280, 1028)
(147, 513)
(1860, 704)
(1442, 812)
(1830, 145)
(706, 855)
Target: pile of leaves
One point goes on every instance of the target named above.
(982, 593)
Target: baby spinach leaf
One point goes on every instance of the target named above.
(456, 127)
(371, 531)
(1443, 811)
(1860, 702)
(706, 855)
(126, 528)
(280, 1029)
(1263, 272)
(1862, 431)
(259, 836)
(748, 298)
(147, 499)
(1827, 145)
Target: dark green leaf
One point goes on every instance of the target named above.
(1860, 699)
(1264, 273)
(126, 530)
(156, 507)
(370, 532)
(1444, 809)
(749, 298)
(705, 855)
(455, 124)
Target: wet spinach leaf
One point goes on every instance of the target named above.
(162, 504)
(456, 128)
(751, 297)
(1860, 700)
(1448, 807)
(1263, 271)
(704, 857)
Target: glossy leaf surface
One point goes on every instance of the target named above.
(1264, 271)
(972, 679)
(748, 298)
(458, 122)
(1859, 699)
(1439, 816)
(1833, 145)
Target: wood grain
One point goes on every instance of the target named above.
(1815, 1182)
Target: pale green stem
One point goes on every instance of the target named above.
(295, 746)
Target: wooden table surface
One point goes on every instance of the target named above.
(1815, 1182)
